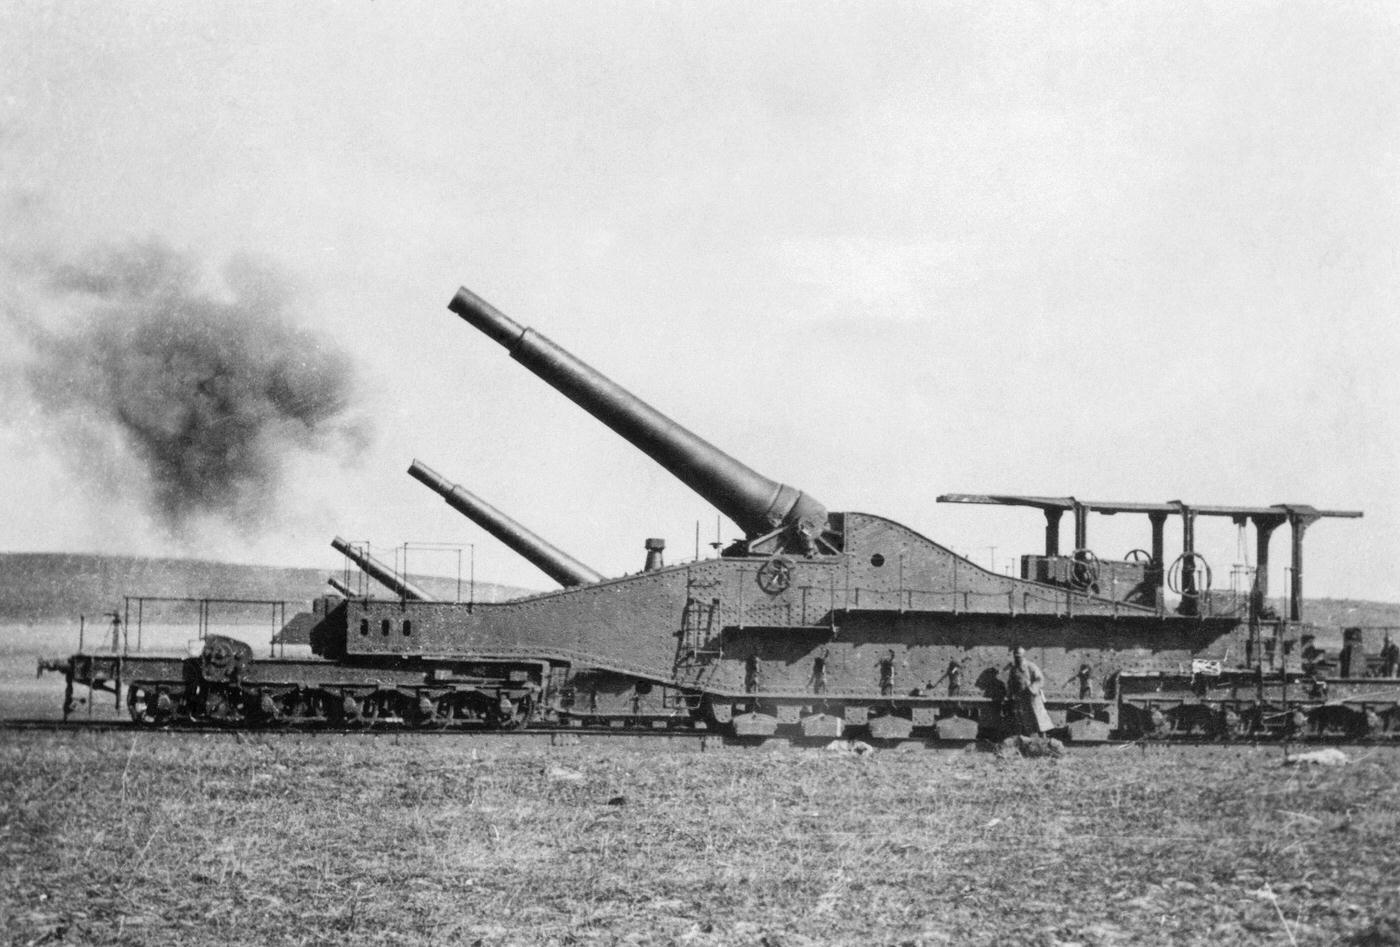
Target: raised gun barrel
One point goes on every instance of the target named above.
(558, 565)
(380, 572)
(759, 506)
(343, 590)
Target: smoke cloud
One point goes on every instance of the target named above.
(194, 396)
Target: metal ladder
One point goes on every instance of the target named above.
(697, 643)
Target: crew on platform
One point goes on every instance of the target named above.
(954, 676)
(1390, 658)
(886, 668)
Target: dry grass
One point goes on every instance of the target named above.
(163, 839)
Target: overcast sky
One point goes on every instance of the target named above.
(879, 251)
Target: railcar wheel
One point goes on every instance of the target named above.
(1369, 725)
(303, 706)
(219, 708)
(291, 706)
(469, 708)
(141, 706)
(346, 712)
(447, 710)
(261, 707)
(430, 714)
(1196, 720)
(506, 714)
(1231, 724)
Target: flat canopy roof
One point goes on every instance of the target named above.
(1108, 507)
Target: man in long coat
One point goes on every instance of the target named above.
(1025, 689)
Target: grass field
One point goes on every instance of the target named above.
(224, 839)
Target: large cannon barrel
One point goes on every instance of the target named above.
(343, 590)
(757, 504)
(558, 565)
(380, 572)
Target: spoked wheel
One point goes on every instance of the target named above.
(775, 575)
(1084, 570)
(1193, 567)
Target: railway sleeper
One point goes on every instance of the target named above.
(892, 720)
(575, 719)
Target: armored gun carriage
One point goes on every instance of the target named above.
(819, 624)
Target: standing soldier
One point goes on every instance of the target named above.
(1025, 688)
(819, 672)
(886, 666)
(1390, 658)
(1344, 659)
(1086, 682)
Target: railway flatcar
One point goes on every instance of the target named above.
(817, 624)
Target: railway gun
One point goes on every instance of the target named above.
(815, 625)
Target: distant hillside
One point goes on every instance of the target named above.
(1328, 612)
(49, 587)
(46, 587)
(1344, 613)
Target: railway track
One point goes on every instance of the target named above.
(671, 738)
(555, 735)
